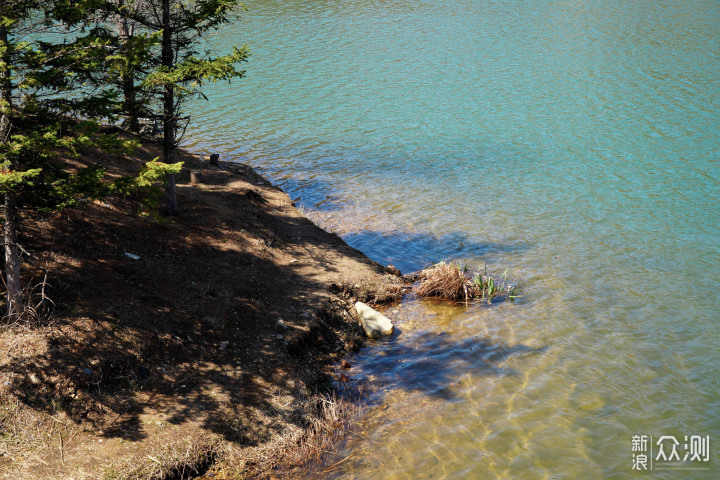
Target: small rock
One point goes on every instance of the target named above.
(344, 378)
(345, 365)
(306, 315)
(374, 323)
(223, 345)
(391, 269)
(132, 255)
(279, 337)
(281, 324)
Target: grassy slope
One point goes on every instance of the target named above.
(210, 349)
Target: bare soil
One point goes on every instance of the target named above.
(211, 352)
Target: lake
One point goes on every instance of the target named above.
(574, 143)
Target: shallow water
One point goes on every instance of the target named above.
(574, 142)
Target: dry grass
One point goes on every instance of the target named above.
(335, 419)
(181, 458)
(190, 332)
(292, 455)
(446, 280)
(37, 306)
(373, 290)
(452, 281)
(26, 436)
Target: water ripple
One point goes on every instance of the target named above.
(573, 142)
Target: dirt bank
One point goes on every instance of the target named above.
(209, 350)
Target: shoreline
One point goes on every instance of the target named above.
(213, 349)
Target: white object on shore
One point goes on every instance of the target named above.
(132, 255)
(374, 323)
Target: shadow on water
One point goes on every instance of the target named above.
(412, 251)
(312, 192)
(379, 238)
(434, 363)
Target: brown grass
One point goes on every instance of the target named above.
(296, 453)
(318, 443)
(26, 436)
(453, 282)
(446, 280)
(37, 305)
(179, 458)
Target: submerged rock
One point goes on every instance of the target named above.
(374, 323)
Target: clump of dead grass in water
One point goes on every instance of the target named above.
(454, 282)
(445, 280)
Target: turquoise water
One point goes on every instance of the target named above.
(573, 142)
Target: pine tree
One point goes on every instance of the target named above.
(57, 63)
(181, 69)
(131, 58)
(48, 105)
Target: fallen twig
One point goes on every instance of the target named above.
(334, 465)
(62, 448)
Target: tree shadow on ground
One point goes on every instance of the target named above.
(191, 331)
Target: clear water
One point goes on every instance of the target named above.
(575, 142)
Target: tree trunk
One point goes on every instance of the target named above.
(130, 103)
(168, 111)
(127, 78)
(5, 86)
(13, 283)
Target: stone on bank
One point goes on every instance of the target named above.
(374, 323)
